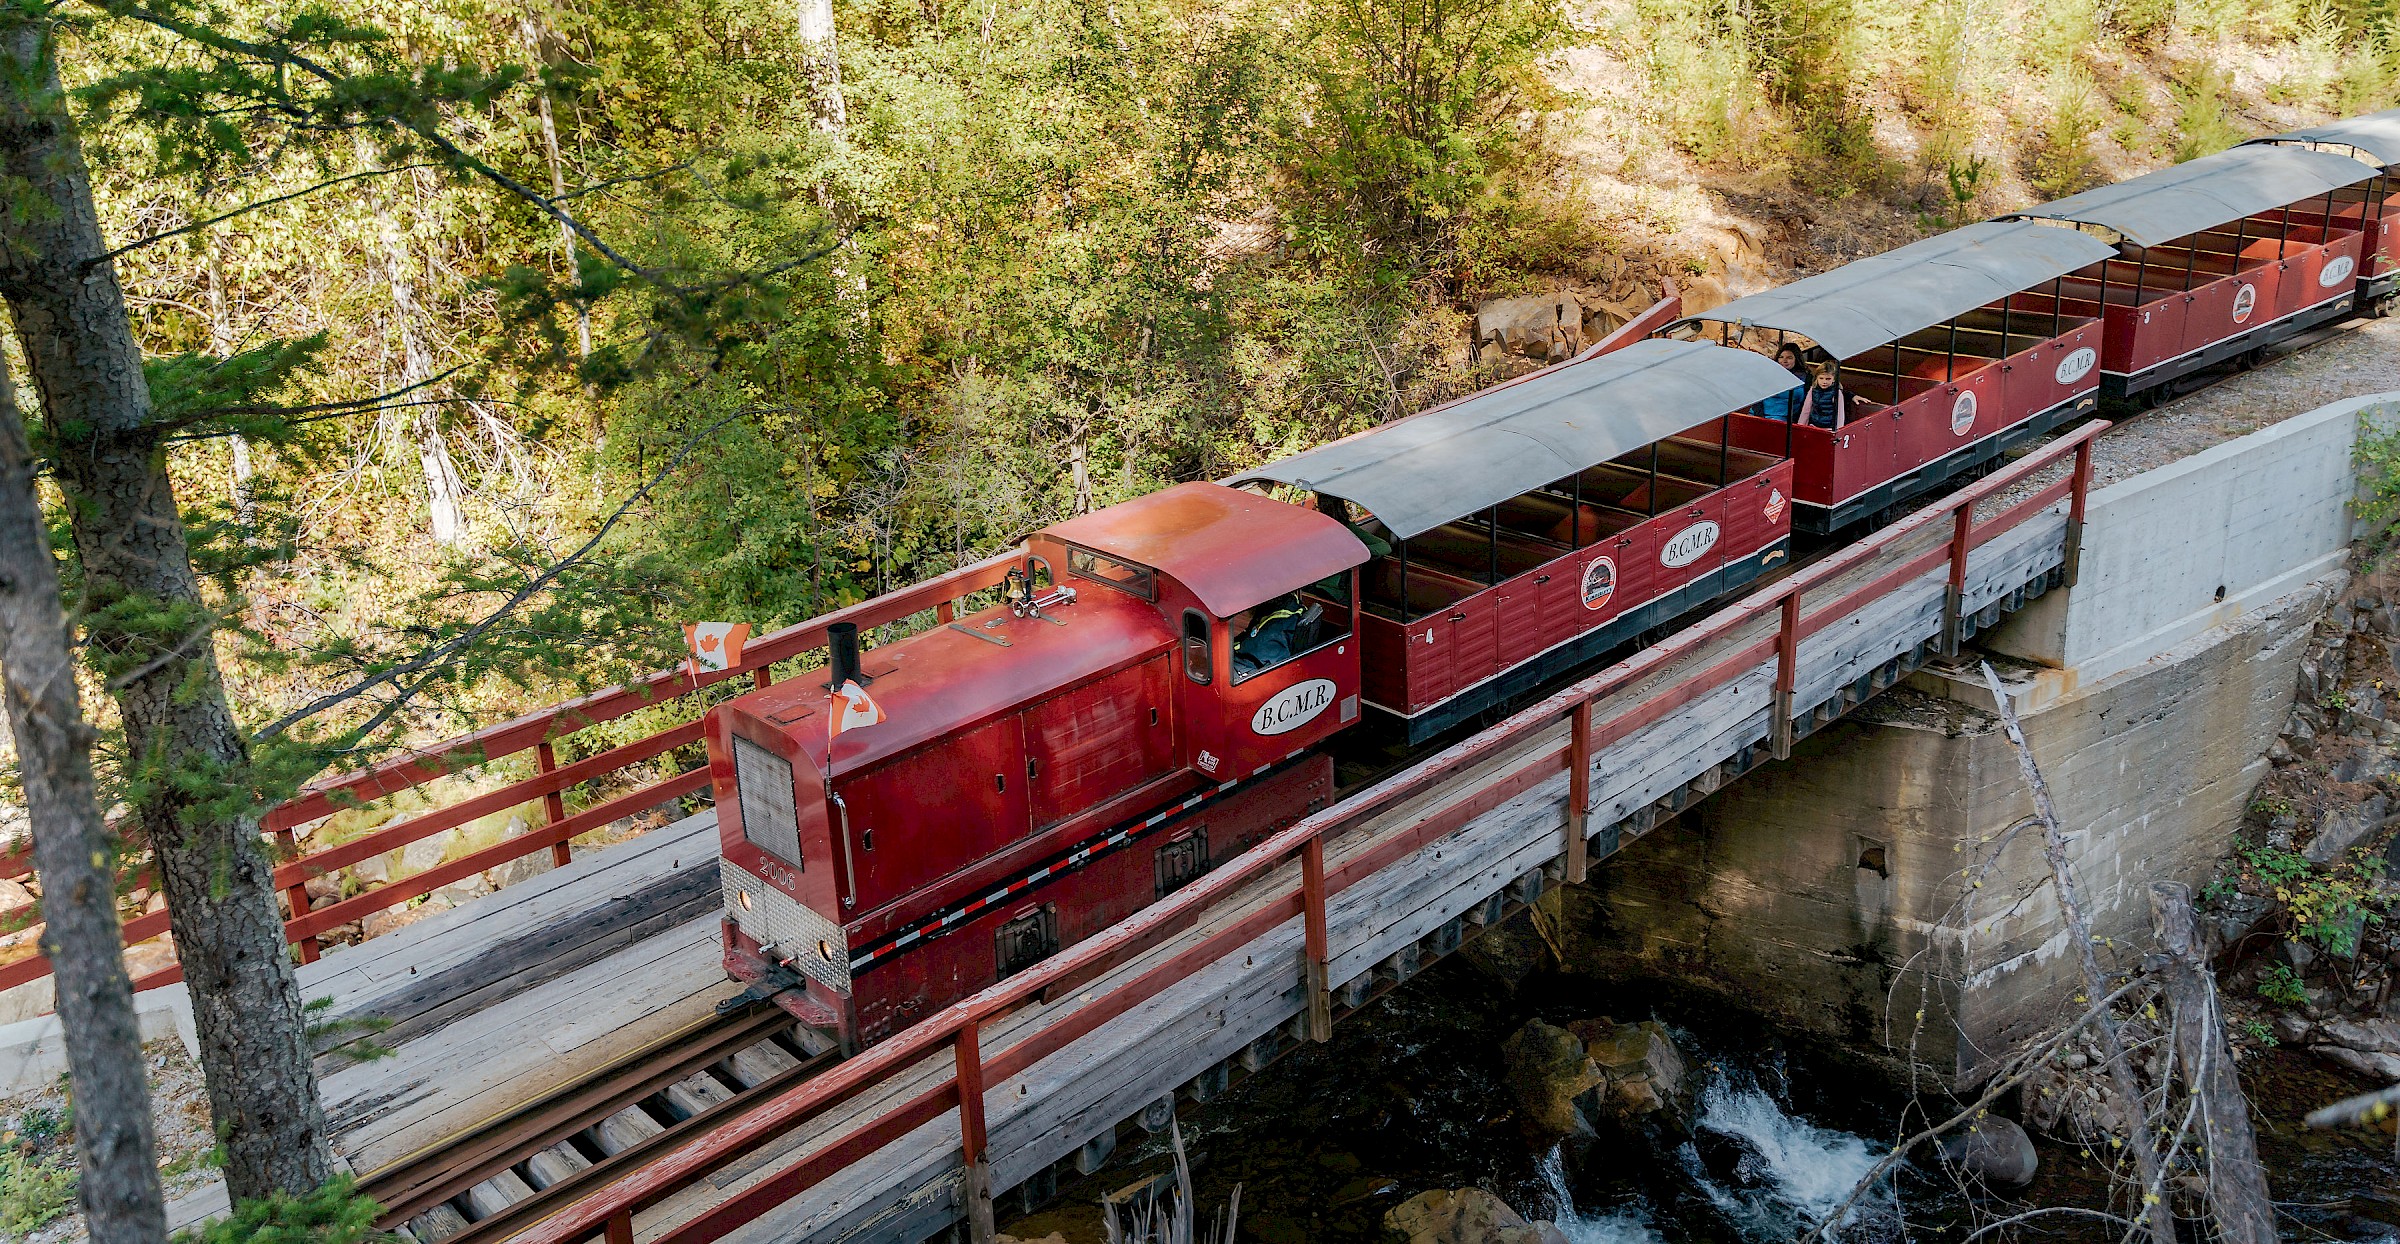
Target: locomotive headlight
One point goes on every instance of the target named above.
(743, 896)
(825, 951)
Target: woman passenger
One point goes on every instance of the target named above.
(1783, 406)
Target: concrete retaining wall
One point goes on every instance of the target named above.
(2198, 543)
(1872, 888)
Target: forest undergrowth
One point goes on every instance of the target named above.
(1084, 250)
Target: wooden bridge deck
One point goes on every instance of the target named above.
(1234, 1008)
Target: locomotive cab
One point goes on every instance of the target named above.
(1044, 767)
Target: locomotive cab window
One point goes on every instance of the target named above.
(1198, 660)
(1122, 575)
(1284, 629)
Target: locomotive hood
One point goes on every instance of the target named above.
(952, 677)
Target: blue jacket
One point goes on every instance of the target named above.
(1782, 406)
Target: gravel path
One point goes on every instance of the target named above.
(2361, 357)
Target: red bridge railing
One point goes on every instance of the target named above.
(538, 733)
(609, 1213)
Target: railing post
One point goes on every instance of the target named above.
(554, 805)
(297, 896)
(620, 1227)
(1312, 904)
(1954, 596)
(1579, 792)
(946, 612)
(763, 677)
(968, 1046)
(2083, 485)
(1787, 675)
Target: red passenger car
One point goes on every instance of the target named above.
(2217, 258)
(1046, 767)
(1539, 523)
(2374, 139)
(1945, 368)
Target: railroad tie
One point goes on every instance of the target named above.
(553, 1164)
(695, 1093)
(759, 1063)
(437, 1224)
(624, 1129)
(497, 1193)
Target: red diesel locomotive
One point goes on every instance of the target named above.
(1051, 764)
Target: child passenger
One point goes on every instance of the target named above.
(1828, 404)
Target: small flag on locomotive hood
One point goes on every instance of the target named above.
(716, 645)
(852, 707)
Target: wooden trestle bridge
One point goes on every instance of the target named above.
(997, 1095)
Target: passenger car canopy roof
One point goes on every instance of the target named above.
(1885, 297)
(1233, 549)
(2204, 193)
(1471, 454)
(2376, 135)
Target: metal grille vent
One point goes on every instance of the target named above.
(769, 820)
(810, 943)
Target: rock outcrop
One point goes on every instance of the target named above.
(1466, 1216)
(1548, 1069)
(1548, 327)
(1993, 1149)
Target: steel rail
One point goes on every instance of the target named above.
(953, 1035)
(424, 1180)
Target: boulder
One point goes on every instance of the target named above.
(1994, 1150)
(1644, 1070)
(155, 955)
(14, 895)
(1731, 1161)
(394, 918)
(426, 852)
(2344, 828)
(2370, 1047)
(1547, 1069)
(1548, 327)
(1466, 1216)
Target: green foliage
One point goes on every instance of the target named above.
(332, 1214)
(2279, 984)
(2376, 454)
(2204, 115)
(35, 1188)
(2259, 1033)
(2330, 905)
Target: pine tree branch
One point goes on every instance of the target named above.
(196, 225)
(427, 663)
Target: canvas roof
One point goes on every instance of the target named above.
(2207, 192)
(1471, 454)
(1882, 298)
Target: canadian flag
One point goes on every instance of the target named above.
(716, 645)
(852, 707)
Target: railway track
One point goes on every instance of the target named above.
(512, 1171)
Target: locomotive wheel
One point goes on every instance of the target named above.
(2251, 359)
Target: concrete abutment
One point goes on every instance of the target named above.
(1875, 888)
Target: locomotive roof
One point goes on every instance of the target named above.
(2204, 193)
(939, 682)
(1233, 549)
(2375, 136)
(1882, 298)
(1473, 453)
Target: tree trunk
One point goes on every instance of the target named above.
(122, 1203)
(188, 758)
(2237, 1184)
(2150, 1200)
(421, 424)
(529, 31)
(822, 65)
(220, 343)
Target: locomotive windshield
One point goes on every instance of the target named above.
(1122, 575)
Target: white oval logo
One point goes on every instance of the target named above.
(1599, 583)
(2076, 365)
(1689, 544)
(1293, 707)
(1962, 413)
(2337, 270)
(2245, 300)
